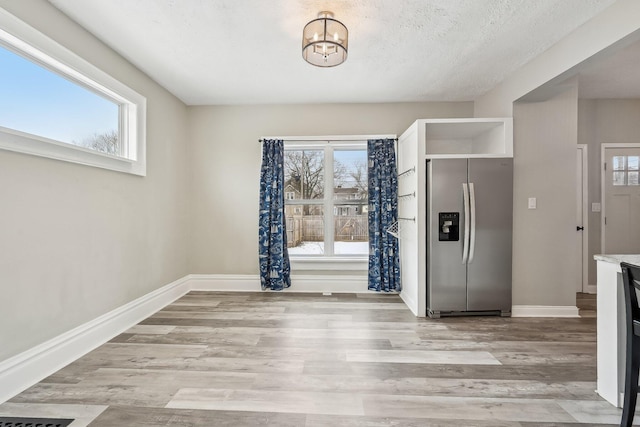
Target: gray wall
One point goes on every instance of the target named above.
(545, 263)
(225, 164)
(604, 121)
(77, 241)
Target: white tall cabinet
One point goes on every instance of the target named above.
(436, 139)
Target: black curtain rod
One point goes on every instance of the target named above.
(329, 140)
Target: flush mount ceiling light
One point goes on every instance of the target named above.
(324, 41)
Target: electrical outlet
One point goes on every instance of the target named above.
(532, 203)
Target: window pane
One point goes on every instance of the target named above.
(618, 178)
(351, 229)
(305, 229)
(39, 102)
(632, 163)
(618, 163)
(350, 215)
(350, 174)
(305, 171)
(633, 178)
(304, 174)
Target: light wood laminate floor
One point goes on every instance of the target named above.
(344, 360)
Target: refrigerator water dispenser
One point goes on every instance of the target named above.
(449, 226)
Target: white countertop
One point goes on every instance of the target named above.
(617, 259)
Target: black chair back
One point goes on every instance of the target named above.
(631, 285)
(631, 278)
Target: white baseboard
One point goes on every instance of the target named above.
(224, 282)
(410, 302)
(31, 366)
(27, 368)
(544, 311)
(299, 283)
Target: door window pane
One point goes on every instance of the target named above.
(618, 163)
(633, 178)
(618, 178)
(632, 163)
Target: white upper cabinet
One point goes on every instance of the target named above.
(473, 137)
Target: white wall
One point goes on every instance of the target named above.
(76, 241)
(225, 164)
(545, 262)
(604, 121)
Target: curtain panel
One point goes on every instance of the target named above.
(384, 262)
(275, 269)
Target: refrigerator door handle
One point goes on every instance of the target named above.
(472, 240)
(465, 244)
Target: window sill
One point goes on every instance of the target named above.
(25, 143)
(333, 263)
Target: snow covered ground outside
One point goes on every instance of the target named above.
(340, 248)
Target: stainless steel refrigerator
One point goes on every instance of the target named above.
(469, 236)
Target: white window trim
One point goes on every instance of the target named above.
(328, 262)
(23, 39)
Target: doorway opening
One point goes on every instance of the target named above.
(620, 184)
(582, 218)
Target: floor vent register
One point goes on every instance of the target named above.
(34, 422)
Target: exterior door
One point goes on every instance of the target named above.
(621, 186)
(489, 268)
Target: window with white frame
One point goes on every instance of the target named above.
(626, 170)
(328, 216)
(55, 104)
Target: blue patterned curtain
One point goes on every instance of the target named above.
(274, 256)
(384, 263)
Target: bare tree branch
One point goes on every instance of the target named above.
(304, 171)
(359, 175)
(107, 142)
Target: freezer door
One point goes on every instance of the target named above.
(489, 267)
(446, 272)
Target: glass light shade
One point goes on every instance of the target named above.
(325, 41)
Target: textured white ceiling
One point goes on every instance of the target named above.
(249, 51)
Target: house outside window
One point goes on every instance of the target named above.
(327, 214)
